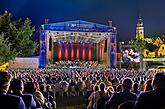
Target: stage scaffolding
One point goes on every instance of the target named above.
(87, 41)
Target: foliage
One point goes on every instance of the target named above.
(25, 45)
(154, 38)
(5, 50)
(18, 33)
(138, 44)
(151, 47)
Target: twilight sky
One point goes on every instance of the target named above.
(123, 13)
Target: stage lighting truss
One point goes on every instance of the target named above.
(77, 37)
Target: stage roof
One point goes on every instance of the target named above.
(78, 31)
(77, 25)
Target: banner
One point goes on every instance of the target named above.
(42, 60)
(25, 62)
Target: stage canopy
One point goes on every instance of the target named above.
(69, 35)
(78, 31)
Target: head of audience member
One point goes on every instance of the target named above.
(110, 90)
(30, 87)
(158, 81)
(95, 88)
(42, 87)
(147, 85)
(119, 88)
(135, 86)
(48, 87)
(127, 84)
(91, 88)
(102, 86)
(39, 98)
(17, 86)
(5, 79)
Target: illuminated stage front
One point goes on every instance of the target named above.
(77, 40)
(73, 51)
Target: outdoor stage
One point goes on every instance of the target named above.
(77, 40)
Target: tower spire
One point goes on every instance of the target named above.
(140, 28)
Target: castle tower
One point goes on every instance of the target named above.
(140, 29)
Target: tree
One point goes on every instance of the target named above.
(139, 44)
(151, 47)
(19, 34)
(5, 50)
(26, 46)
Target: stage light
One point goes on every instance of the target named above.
(42, 27)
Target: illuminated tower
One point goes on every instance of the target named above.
(140, 29)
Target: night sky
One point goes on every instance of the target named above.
(123, 13)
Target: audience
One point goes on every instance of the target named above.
(40, 100)
(126, 95)
(8, 101)
(102, 88)
(17, 88)
(153, 99)
(147, 85)
(136, 89)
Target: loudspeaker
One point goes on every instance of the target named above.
(50, 43)
(105, 47)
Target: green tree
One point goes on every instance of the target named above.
(19, 34)
(6, 53)
(26, 46)
(139, 44)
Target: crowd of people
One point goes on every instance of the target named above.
(102, 88)
(74, 64)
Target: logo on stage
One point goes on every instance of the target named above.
(80, 26)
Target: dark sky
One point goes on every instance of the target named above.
(123, 13)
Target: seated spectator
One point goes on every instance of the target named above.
(110, 91)
(49, 91)
(119, 88)
(88, 93)
(64, 85)
(91, 97)
(40, 100)
(17, 88)
(101, 102)
(107, 82)
(72, 88)
(51, 104)
(135, 89)
(154, 99)
(99, 94)
(42, 90)
(125, 95)
(8, 101)
(147, 85)
(81, 87)
(30, 88)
